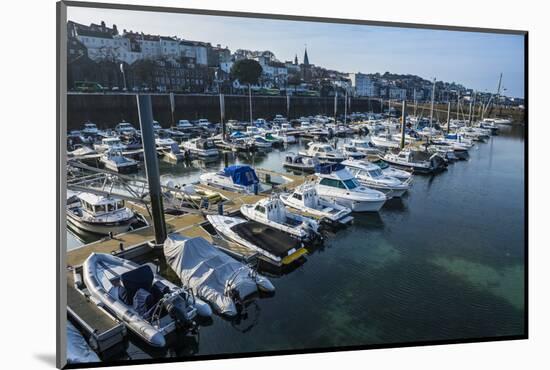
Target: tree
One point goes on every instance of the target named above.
(294, 80)
(247, 71)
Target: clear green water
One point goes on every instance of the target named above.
(445, 262)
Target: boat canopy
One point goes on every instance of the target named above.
(326, 168)
(211, 273)
(96, 200)
(241, 175)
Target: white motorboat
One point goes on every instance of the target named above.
(272, 212)
(300, 163)
(475, 133)
(335, 183)
(239, 178)
(213, 275)
(457, 140)
(372, 176)
(275, 246)
(203, 122)
(125, 128)
(81, 151)
(204, 148)
(114, 160)
(323, 151)
(173, 153)
(147, 304)
(184, 124)
(279, 119)
(234, 125)
(164, 142)
(99, 214)
(89, 129)
(416, 161)
(268, 136)
(384, 141)
(365, 146)
(261, 142)
(156, 126)
(109, 143)
(391, 171)
(350, 151)
(284, 136)
(252, 131)
(305, 199)
(260, 122)
(490, 124)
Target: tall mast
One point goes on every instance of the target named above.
(432, 105)
(414, 99)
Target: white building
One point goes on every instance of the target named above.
(105, 43)
(194, 50)
(398, 93)
(362, 84)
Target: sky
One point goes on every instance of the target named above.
(472, 59)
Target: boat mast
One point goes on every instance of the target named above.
(345, 105)
(432, 109)
(414, 99)
(448, 116)
(472, 98)
(335, 105)
(403, 122)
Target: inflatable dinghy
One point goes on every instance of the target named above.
(145, 302)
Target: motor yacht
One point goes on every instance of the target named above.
(371, 175)
(323, 151)
(203, 148)
(272, 212)
(238, 178)
(99, 214)
(305, 199)
(335, 183)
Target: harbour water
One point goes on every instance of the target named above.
(445, 262)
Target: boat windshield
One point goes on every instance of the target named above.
(375, 173)
(350, 184)
(381, 164)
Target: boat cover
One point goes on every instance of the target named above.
(78, 350)
(210, 273)
(267, 238)
(241, 175)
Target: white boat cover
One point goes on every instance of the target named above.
(212, 275)
(78, 350)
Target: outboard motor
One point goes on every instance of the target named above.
(180, 310)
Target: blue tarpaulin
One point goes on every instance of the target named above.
(241, 175)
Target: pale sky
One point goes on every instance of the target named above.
(472, 59)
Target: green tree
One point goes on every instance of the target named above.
(247, 71)
(294, 80)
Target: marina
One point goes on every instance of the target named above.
(386, 235)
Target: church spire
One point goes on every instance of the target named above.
(306, 59)
(296, 59)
